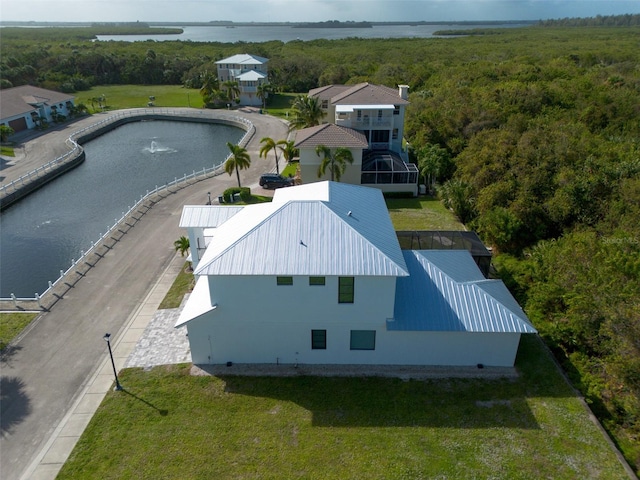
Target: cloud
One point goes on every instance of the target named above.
(307, 10)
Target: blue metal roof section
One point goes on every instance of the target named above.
(446, 292)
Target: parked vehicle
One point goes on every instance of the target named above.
(271, 180)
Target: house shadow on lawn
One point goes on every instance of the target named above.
(439, 403)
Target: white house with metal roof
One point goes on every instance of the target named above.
(317, 276)
(27, 107)
(249, 71)
(376, 114)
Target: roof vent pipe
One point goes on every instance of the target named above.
(349, 213)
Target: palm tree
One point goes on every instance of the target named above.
(263, 91)
(209, 85)
(336, 162)
(269, 145)
(182, 245)
(306, 112)
(289, 152)
(233, 90)
(239, 160)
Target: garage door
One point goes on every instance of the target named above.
(18, 125)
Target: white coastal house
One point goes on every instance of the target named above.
(249, 71)
(372, 114)
(318, 277)
(27, 107)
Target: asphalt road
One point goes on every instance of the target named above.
(47, 366)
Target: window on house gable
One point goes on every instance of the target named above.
(284, 280)
(396, 110)
(318, 339)
(346, 289)
(325, 104)
(394, 134)
(316, 280)
(379, 114)
(363, 340)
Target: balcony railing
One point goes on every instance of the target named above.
(386, 178)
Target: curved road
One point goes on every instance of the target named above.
(46, 368)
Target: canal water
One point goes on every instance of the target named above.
(42, 233)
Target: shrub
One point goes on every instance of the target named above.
(245, 194)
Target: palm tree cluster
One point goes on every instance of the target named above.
(285, 146)
(336, 161)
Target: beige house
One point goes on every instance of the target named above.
(373, 113)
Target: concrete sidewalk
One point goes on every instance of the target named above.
(49, 461)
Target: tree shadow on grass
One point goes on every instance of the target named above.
(15, 404)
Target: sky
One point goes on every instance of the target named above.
(176, 11)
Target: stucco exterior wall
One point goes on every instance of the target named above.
(273, 323)
(221, 338)
(309, 163)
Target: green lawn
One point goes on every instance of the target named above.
(11, 324)
(135, 96)
(279, 104)
(183, 283)
(421, 213)
(7, 151)
(168, 424)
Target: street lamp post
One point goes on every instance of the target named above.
(209, 195)
(107, 338)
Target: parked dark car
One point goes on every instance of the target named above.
(271, 180)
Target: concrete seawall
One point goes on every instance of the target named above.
(37, 180)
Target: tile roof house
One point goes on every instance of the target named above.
(27, 107)
(250, 71)
(317, 276)
(375, 112)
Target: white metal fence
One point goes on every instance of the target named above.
(119, 226)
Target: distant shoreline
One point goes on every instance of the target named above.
(329, 24)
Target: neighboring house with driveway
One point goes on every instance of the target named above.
(318, 277)
(249, 71)
(27, 107)
(374, 114)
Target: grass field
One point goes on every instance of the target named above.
(168, 424)
(421, 213)
(137, 96)
(11, 324)
(7, 151)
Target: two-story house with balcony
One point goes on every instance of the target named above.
(317, 276)
(373, 112)
(249, 71)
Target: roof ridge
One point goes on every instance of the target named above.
(244, 235)
(360, 235)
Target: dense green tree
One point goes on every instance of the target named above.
(5, 132)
